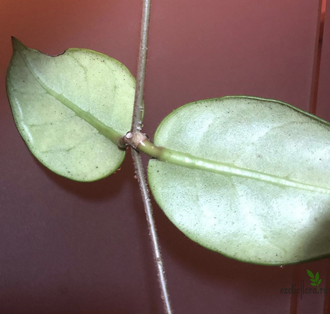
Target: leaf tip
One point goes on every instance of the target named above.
(16, 43)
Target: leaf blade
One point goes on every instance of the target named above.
(62, 117)
(237, 217)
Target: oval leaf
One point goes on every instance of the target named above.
(266, 196)
(71, 109)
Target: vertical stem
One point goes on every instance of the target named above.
(136, 127)
(152, 230)
(141, 69)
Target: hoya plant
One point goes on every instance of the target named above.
(212, 162)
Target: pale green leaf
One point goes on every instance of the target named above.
(255, 183)
(71, 109)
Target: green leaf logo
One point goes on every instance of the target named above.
(315, 280)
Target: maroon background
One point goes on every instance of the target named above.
(68, 247)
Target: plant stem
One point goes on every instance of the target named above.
(136, 127)
(141, 69)
(152, 230)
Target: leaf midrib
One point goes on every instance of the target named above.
(193, 162)
(105, 130)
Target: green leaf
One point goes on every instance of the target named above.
(253, 183)
(310, 274)
(71, 109)
(317, 276)
(313, 284)
(319, 282)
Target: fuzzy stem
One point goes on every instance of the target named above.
(138, 101)
(139, 170)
